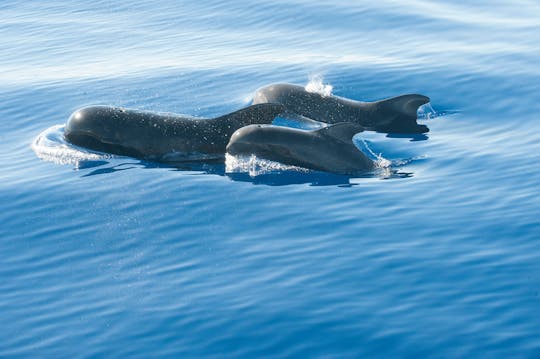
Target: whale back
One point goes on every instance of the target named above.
(212, 135)
(145, 134)
(297, 101)
(393, 115)
(255, 114)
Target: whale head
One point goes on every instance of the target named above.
(99, 128)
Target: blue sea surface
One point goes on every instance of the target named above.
(437, 255)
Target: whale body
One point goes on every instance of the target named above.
(159, 136)
(393, 115)
(329, 149)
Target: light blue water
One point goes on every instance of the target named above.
(118, 257)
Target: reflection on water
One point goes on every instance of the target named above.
(268, 173)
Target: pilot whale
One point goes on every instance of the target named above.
(328, 149)
(160, 136)
(393, 115)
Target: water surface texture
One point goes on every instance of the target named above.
(437, 255)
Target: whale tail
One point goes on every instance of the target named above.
(263, 113)
(399, 114)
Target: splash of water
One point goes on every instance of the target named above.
(380, 161)
(427, 112)
(51, 146)
(316, 85)
(256, 166)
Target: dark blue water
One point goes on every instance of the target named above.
(437, 255)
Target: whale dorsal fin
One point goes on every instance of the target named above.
(399, 114)
(263, 113)
(343, 131)
(407, 105)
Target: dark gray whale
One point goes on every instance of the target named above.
(393, 115)
(329, 149)
(162, 137)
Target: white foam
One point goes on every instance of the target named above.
(316, 85)
(380, 161)
(427, 112)
(51, 146)
(256, 166)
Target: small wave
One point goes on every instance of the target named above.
(256, 166)
(316, 85)
(51, 146)
(427, 112)
(405, 161)
(380, 161)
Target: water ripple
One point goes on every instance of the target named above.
(112, 256)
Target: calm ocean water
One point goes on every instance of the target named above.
(438, 256)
